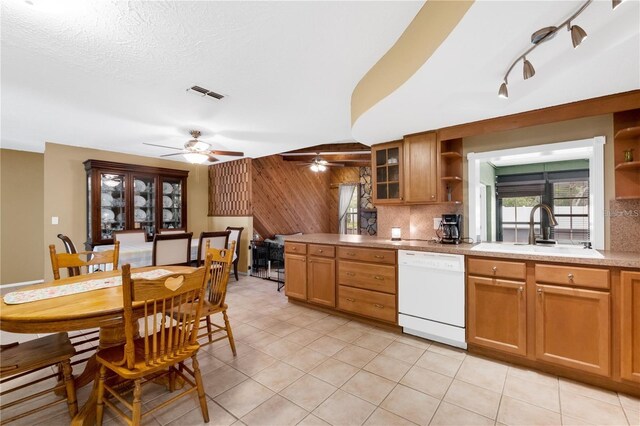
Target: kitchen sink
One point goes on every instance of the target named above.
(540, 250)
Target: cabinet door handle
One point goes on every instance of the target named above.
(378, 277)
(433, 196)
(351, 274)
(378, 256)
(350, 253)
(294, 248)
(570, 276)
(521, 289)
(540, 292)
(378, 306)
(320, 251)
(350, 299)
(494, 269)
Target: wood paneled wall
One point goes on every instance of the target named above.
(230, 188)
(288, 198)
(338, 175)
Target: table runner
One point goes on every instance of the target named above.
(26, 296)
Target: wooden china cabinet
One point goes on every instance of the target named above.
(127, 196)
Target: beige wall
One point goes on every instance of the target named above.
(219, 223)
(21, 209)
(563, 131)
(65, 192)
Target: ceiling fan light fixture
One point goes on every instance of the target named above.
(195, 157)
(527, 69)
(503, 92)
(577, 35)
(314, 168)
(322, 167)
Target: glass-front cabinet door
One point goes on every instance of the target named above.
(113, 211)
(387, 172)
(144, 203)
(172, 203)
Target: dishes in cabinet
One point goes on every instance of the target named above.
(166, 201)
(167, 188)
(167, 215)
(119, 217)
(107, 215)
(139, 201)
(106, 199)
(139, 185)
(139, 215)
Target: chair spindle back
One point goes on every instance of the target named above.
(221, 261)
(84, 261)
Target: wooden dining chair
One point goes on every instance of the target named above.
(169, 231)
(172, 249)
(163, 346)
(216, 293)
(133, 236)
(235, 236)
(71, 249)
(85, 261)
(217, 239)
(19, 360)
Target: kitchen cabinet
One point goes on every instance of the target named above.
(505, 328)
(492, 284)
(450, 168)
(295, 275)
(321, 280)
(127, 196)
(573, 328)
(387, 171)
(626, 125)
(630, 326)
(421, 168)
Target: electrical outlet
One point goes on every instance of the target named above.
(436, 222)
(54, 220)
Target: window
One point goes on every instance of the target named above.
(566, 192)
(348, 208)
(352, 215)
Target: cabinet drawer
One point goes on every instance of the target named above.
(322, 250)
(367, 276)
(369, 303)
(368, 255)
(497, 268)
(573, 276)
(298, 248)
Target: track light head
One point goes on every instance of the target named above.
(577, 35)
(527, 69)
(503, 92)
(615, 3)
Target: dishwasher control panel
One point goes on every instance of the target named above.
(429, 260)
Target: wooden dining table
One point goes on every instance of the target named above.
(101, 309)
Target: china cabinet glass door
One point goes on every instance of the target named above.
(112, 204)
(144, 203)
(172, 203)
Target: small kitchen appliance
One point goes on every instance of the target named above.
(451, 229)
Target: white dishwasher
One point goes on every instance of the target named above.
(431, 296)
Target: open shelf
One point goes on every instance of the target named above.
(451, 154)
(630, 165)
(451, 178)
(628, 197)
(628, 133)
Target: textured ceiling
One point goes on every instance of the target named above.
(112, 74)
(459, 83)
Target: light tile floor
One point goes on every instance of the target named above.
(299, 366)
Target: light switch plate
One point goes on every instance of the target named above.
(54, 220)
(436, 222)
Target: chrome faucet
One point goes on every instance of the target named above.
(552, 221)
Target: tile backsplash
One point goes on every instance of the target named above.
(416, 222)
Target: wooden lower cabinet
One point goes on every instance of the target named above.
(321, 280)
(295, 276)
(372, 304)
(630, 322)
(497, 312)
(573, 328)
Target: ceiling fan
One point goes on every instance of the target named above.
(320, 165)
(196, 151)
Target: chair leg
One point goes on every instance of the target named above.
(208, 320)
(227, 326)
(172, 379)
(136, 414)
(235, 270)
(72, 402)
(100, 403)
(200, 387)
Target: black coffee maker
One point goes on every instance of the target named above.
(451, 228)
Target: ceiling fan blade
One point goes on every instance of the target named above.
(169, 155)
(333, 164)
(228, 153)
(161, 146)
(212, 159)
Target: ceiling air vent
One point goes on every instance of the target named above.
(205, 92)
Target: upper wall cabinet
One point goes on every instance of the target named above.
(421, 168)
(387, 170)
(126, 196)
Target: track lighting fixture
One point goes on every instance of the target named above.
(578, 34)
(527, 69)
(615, 3)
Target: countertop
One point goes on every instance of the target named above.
(611, 258)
